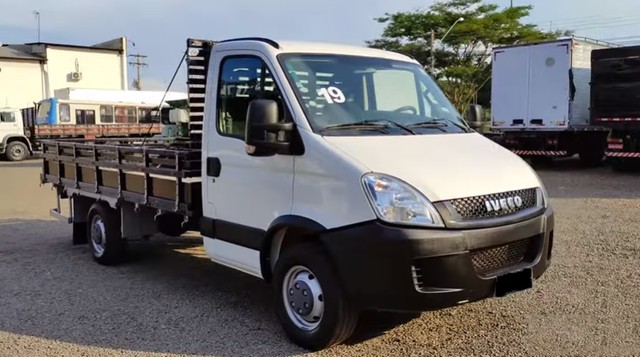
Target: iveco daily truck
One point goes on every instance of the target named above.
(340, 175)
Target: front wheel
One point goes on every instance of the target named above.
(309, 300)
(16, 151)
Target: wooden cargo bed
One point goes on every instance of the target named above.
(155, 174)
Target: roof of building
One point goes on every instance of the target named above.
(95, 47)
(12, 53)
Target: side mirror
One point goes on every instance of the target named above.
(475, 116)
(264, 134)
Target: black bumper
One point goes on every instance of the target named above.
(411, 269)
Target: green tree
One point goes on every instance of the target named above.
(462, 58)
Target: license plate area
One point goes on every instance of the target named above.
(514, 282)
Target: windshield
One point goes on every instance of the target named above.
(353, 95)
(43, 112)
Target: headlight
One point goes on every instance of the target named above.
(395, 201)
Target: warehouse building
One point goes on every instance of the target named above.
(33, 71)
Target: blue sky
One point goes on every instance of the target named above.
(159, 28)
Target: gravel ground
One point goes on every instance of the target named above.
(172, 301)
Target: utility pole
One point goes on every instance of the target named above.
(433, 51)
(36, 13)
(137, 83)
(511, 3)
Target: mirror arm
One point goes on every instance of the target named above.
(275, 126)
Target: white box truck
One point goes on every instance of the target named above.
(540, 100)
(316, 177)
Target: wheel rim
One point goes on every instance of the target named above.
(303, 298)
(98, 236)
(17, 151)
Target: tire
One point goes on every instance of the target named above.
(103, 231)
(541, 160)
(306, 267)
(591, 157)
(620, 164)
(16, 151)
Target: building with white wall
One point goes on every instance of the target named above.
(32, 72)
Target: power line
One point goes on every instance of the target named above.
(137, 83)
(588, 19)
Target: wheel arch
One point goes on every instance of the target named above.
(283, 231)
(11, 138)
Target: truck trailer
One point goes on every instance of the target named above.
(337, 174)
(615, 102)
(540, 100)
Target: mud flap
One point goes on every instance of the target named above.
(514, 282)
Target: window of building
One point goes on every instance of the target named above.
(106, 114)
(242, 80)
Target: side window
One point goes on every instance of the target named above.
(65, 113)
(243, 79)
(7, 117)
(125, 115)
(145, 115)
(85, 116)
(106, 114)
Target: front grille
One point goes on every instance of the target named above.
(488, 261)
(476, 207)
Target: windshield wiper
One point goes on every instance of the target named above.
(437, 122)
(369, 124)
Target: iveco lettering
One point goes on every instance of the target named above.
(504, 203)
(339, 175)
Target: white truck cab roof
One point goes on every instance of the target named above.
(276, 47)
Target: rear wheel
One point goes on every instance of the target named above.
(16, 151)
(103, 231)
(309, 300)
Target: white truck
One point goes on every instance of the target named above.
(340, 175)
(540, 100)
(15, 144)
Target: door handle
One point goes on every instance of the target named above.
(213, 166)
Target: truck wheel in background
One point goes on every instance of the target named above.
(591, 156)
(103, 231)
(309, 301)
(16, 151)
(541, 160)
(621, 164)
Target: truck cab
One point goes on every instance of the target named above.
(345, 173)
(14, 145)
(340, 175)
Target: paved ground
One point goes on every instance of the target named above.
(54, 301)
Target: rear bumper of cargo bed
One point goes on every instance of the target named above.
(408, 269)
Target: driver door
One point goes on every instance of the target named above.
(244, 193)
(8, 124)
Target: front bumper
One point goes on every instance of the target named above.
(391, 268)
